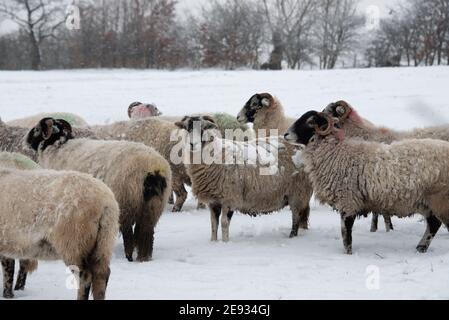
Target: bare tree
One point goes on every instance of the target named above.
(38, 18)
(291, 23)
(338, 25)
(231, 33)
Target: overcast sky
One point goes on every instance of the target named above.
(383, 5)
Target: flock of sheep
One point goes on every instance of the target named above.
(67, 189)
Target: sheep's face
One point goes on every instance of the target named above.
(47, 132)
(257, 103)
(200, 129)
(138, 110)
(311, 123)
(340, 110)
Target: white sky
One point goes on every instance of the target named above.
(383, 5)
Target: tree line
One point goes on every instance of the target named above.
(229, 34)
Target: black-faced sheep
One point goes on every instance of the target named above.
(355, 176)
(51, 215)
(227, 185)
(356, 126)
(154, 133)
(12, 138)
(266, 113)
(139, 176)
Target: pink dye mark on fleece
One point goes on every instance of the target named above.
(143, 111)
(340, 134)
(354, 116)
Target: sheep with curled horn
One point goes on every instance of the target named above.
(138, 175)
(356, 126)
(354, 176)
(242, 185)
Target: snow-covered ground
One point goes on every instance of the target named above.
(260, 262)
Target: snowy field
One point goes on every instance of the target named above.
(260, 262)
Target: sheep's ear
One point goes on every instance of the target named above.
(210, 123)
(181, 124)
(64, 127)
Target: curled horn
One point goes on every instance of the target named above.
(343, 109)
(49, 123)
(330, 125)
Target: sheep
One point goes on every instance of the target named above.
(266, 113)
(59, 215)
(154, 133)
(30, 122)
(224, 121)
(139, 110)
(241, 186)
(139, 176)
(356, 126)
(19, 162)
(12, 138)
(355, 176)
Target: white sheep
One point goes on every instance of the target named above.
(51, 215)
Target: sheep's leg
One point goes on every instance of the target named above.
(225, 223)
(171, 199)
(128, 240)
(375, 222)
(22, 275)
(100, 282)
(8, 277)
(433, 225)
(85, 283)
(388, 224)
(304, 218)
(300, 219)
(347, 222)
(145, 239)
(215, 211)
(181, 196)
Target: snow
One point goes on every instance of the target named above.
(260, 261)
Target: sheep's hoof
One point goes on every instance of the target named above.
(144, 259)
(421, 249)
(176, 209)
(8, 295)
(373, 230)
(19, 288)
(293, 234)
(130, 258)
(349, 251)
